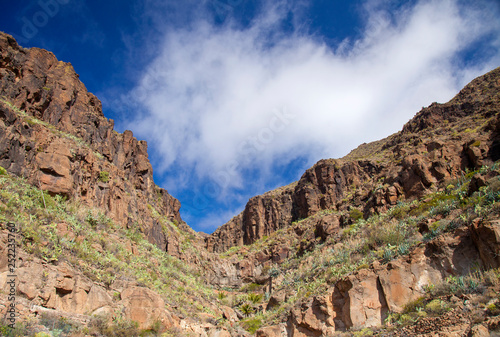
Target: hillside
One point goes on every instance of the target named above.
(438, 144)
(399, 238)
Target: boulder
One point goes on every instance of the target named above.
(270, 331)
(229, 314)
(146, 307)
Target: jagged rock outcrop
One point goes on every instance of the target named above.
(375, 176)
(53, 132)
(262, 216)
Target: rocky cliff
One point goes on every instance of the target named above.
(53, 133)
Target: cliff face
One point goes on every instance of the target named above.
(53, 133)
(262, 216)
(435, 146)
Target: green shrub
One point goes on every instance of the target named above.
(3, 171)
(355, 214)
(62, 324)
(91, 219)
(104, 176)
(247, 309)
(42, 334)
(274, 272)
(20, 329)
(399, 213)
(119, 327)
(349, 231)
(415, 305)
(406, 319)
(252, 324)
(363, 333)
(435, 306)
(255, 298)
(251, 287)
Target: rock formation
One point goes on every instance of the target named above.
(53, 132)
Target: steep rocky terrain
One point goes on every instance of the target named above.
(437, 145)
(399, 238)
(54, 134)
(383, 200)
(85, 240)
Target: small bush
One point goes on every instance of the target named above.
(42, 334)
(435, 306)
(57, 323)
(251, 287)
(406, 319)
(355, 214)
(274, 272)
(415, 305)
(252, 324)
(363, 333)
(399, 213)
(247, 309)
(91, 219)
(119, 327)
(104, 176)
(20, 329)
(255, 298)
(3, 172)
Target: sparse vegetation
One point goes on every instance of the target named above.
(383, 237)
(104, 176)
(21, 203)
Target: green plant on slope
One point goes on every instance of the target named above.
(247, 309)
(255, 298)
(104, 176)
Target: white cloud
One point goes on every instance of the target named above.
(219, 100)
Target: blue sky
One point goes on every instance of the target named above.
(237, 97)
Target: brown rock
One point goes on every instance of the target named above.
(275, 300)
(219, 333)
(397, 283)
(312, 319)
(480, 331)
(145, 307)
(229, 314)
(327, 226)
(486, 236)
(364, 298)
(64, 144)
(476, 183)
(270, 331)
(358, 301)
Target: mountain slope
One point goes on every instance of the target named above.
(95, 234)
(436, 145)
(54, 134)
(400, 237)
